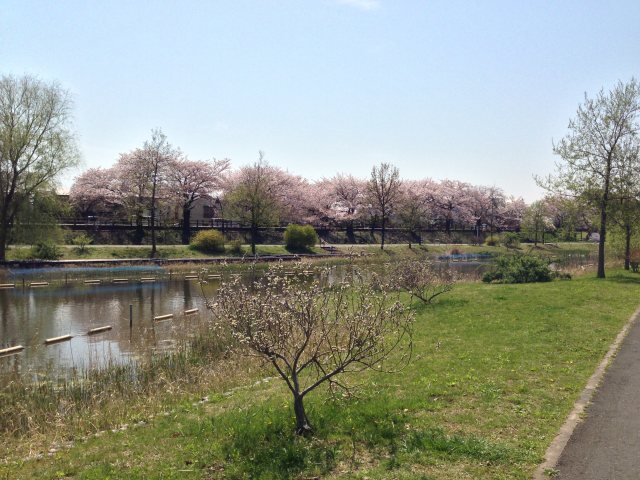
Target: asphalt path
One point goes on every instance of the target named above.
(606, 445)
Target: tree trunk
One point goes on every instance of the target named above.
(603, 220)
(3, 243)
(384, 224)
(627, 247)
(303, 427)
(254, 234)
(153, 226)
(351, 238)
(186, 225)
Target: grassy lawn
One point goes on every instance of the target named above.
(495, 371)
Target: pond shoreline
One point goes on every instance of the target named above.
(110, 262)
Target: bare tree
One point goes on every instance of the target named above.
(158, 154)
(314, 333)
(423, 280)
(35, 143)
(384, 191)
(591, 151)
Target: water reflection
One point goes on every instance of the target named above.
(29, 316)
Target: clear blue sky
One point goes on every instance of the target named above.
(473, 90)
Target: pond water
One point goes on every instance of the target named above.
(31, 314)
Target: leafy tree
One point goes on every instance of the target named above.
(313, 333)
(36, 144)
(591, 151)
(256, 195)
(535, 221)
(626, 206)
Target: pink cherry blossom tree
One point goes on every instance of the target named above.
(191, 180)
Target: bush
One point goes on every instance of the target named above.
(45, 251)
(81, 241)
(519, 269)
(511, 240)
(235, 246)
(491, 242)
(208, 241)
(300, 237)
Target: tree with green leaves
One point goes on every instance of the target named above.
(591, 153)
(256, 196)
(36, 144)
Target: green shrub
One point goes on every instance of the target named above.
(45, 251)
(519, 269)
(208, 241)
(81, 241)
(300, 237)
(511, 240)
(235, 246)
(491, 242)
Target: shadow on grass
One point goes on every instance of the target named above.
(625, 278)
(260, 443)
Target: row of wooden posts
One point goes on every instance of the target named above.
(92, 331)
(113, 280)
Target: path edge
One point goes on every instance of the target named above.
(552, 455)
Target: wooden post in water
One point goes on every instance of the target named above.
(130, 316)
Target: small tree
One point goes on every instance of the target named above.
(81, 241)
(423, 280)
(311, 332)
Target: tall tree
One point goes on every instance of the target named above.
(450, 201)
(535, 221)
(384, 191)
(591, 151)
(414, 211)
(256, 195)
(626, 205)
(157, 154)
(191, 180)
(36, 143)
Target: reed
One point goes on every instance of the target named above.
(101, 397)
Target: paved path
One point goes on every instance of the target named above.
(606, 445)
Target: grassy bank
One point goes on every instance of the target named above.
(496, 369)
(92, 252)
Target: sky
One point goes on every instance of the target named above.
(475, 91)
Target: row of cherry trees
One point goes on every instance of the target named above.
(159, 178)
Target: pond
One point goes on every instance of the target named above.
(70, 305)
(30, 314)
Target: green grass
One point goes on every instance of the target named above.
(124, 252)
(495, 371)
